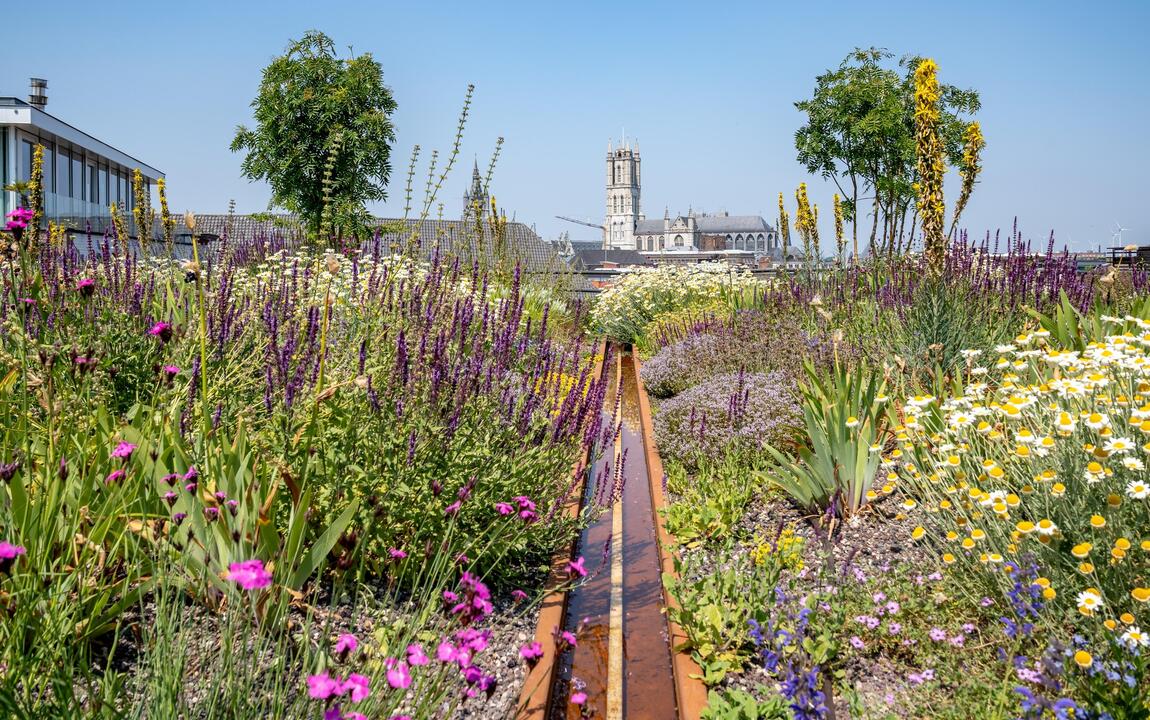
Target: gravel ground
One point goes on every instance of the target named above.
(874, 541)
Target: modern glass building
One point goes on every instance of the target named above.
(83, 176)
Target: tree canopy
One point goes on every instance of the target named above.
(317, 113)
(860, 134)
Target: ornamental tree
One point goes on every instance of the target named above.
(859, 133)
(317, 112)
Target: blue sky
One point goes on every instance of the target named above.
(707, 88)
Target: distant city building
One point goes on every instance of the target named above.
(83, 176)
(627, 228)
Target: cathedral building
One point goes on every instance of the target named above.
(626, 227)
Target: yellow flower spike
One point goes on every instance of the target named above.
(1083, 659)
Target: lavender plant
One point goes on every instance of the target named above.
(736, 412)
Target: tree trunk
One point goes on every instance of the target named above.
(874, 222)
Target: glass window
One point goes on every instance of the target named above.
(24, 168)
(79, 189)
(93, 184)
(64, 173)
(49, 168)
(104, 185)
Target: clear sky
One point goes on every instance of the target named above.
(707, 88)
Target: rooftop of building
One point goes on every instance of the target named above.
(449, 237)
(712, 224)
(12, 112)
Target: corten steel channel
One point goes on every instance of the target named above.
(690, 693)
(535, 697)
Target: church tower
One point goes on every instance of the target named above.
(476, 201)
(622, 196)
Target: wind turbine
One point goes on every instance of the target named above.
(1117, 236)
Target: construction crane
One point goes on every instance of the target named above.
(580, 222)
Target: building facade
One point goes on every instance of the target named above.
(626, 227)
(83, 176)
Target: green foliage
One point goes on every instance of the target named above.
(741, 705)
(715, 610)
(860, 131)
(842, 422)
(940, 323)
(709, 502)
(316, 110)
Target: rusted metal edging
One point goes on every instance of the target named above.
(690, 692)
(535, 696)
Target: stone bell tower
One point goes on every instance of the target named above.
(622, 196)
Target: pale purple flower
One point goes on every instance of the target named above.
(937, 634)
(857, 643)
(894, 628)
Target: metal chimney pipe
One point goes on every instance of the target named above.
(37, 97)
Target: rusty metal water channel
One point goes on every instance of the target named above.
(623, 660)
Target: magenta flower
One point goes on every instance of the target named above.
(578, 698)
(212, 513)
(396, 553)
(358, 686)
(398, 676)
(416, 656)
(355, 716)
(8, 555)
(345, 645)
(161, 330)
(531, 652)
(333, 713)
(524, 502)
(124, 450)
(527, 515)
(453, 508)
(86, 286)
(8, 551)
(504, 508)
(170, 498)
(322, 686)
(191, 474)
(446, 652)
(568, 637)
(576, 568)
(171, 371)
(249, 574)
(518, 595)
(114, 477)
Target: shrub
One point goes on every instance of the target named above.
(643, 294)
(751, 340)
(738, 412)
